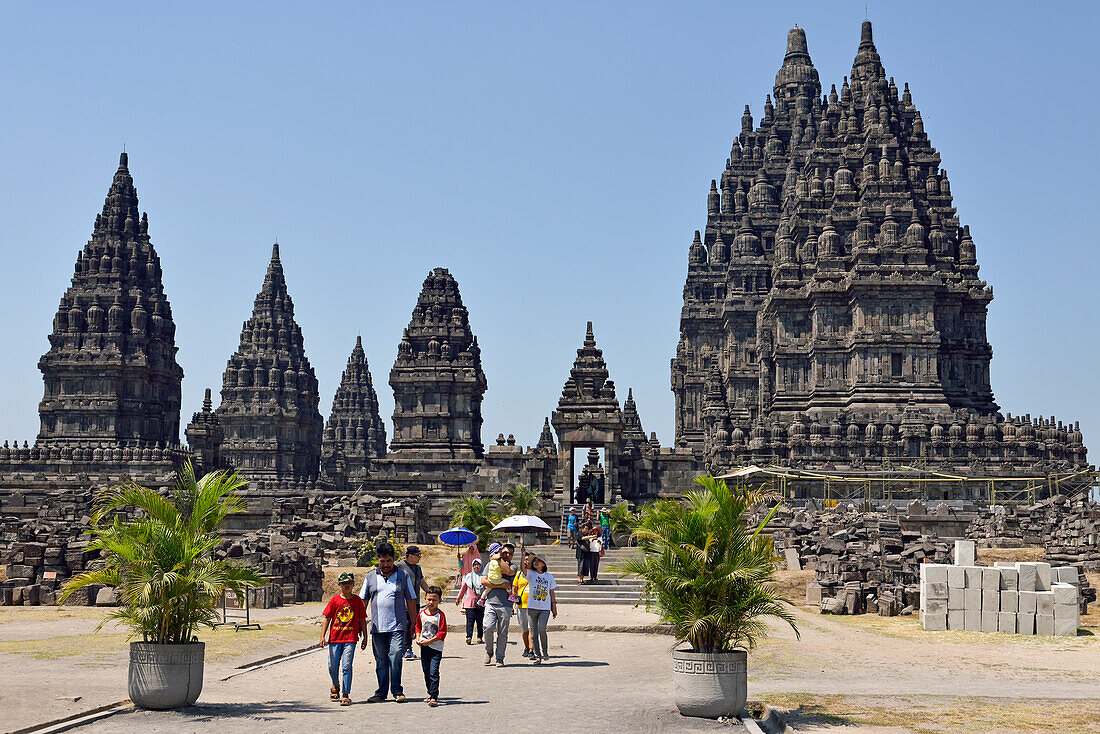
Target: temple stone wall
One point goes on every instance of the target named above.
(833, 315)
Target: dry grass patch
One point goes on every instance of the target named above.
(439, 563)
(933, 714)
(792, 585)
(908, 628)
(221, 644)
(1030, 554)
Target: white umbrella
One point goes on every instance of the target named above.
(523, 524)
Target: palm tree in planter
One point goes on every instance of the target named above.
(712, 577)
(157, 551)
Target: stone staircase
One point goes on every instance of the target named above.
(612, 587)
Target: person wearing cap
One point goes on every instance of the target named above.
(345, 621)
(411, 567)
(498, 607)
(469, 598)
(542, 603)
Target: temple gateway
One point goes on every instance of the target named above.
(833, 330)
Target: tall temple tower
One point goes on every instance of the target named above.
(269, 409)
(437, 379)
(833, 311)
(355, 433)
(588, 416)
(111, 373)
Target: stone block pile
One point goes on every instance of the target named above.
(1015, 598)
(1068, 528)
(864, 561)
(42, 543)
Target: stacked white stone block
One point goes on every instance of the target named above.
(1017, 598)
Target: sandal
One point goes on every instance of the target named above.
(334, 693)
(432, 702)
(345, 701)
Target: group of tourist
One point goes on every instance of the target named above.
(590, 535)
(396, 621)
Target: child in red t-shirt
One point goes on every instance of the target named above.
(346, 618)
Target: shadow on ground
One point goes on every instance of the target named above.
(810, 715)
(265, 710)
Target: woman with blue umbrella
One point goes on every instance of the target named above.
(457, 538)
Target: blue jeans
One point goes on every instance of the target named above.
(429, 661)
(388, 648)
(607, 537)
(340, 655)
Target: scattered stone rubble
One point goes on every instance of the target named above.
(1068, 528)
(1016, 598)
(298, 536)
(864, 561)
(867, 561)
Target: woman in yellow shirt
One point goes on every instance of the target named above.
(520, 590)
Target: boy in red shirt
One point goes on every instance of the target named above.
(431, 628)
(346, 617)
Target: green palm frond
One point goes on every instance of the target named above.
(705, 571)
(520, 499)
(475, 513)
(161, 559)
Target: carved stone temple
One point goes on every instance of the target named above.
(833, 314)
(355, 433)
(269, 409)
(833, 320)
(111, 374)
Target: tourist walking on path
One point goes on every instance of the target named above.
(411, 566)
(519, 590)
(469, 598)
(389, 592)
(571, 528)
(542, 603)
(345, 621)
(498, 609)
(582, 555)
(595, 549)
(466, 563)
(430, 629)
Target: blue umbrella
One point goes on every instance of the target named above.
(458, 537)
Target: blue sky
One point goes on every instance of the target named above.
(556, 158)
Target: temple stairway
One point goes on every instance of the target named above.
(612, 587)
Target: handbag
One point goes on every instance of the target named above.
(602, 551)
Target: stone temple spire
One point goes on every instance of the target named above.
(111, 373)
(355, 433)
(437, 380)
(546, 440)
(867, 64)
(269, 392)
(588, 383)
(204, 438)
(797, 77)
(632, 422)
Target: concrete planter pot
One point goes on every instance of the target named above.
(621, 540)
(710, 685)
(165, 676)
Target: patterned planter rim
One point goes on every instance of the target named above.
(167, 654)
(691, 662)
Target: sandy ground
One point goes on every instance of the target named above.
(845, 674)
